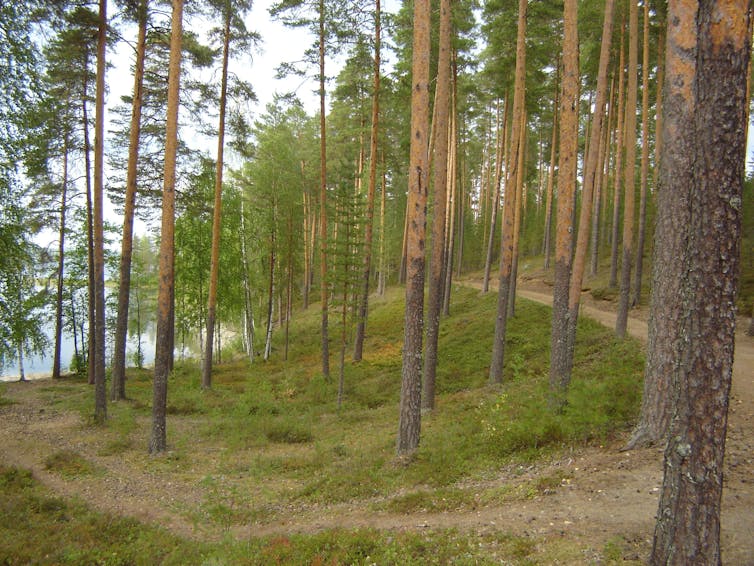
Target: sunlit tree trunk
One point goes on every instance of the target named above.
(562, 347)
(163, 358)
(703, 165)
(118, 389)
(439, 196)
(214, 263)
(409, 425)
(564, 227)
(629, 170)
(506, 248)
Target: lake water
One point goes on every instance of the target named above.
(36, 367)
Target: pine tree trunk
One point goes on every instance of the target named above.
(638, 273)
(61, 264)
(91, 332)
(708, 53)
(670, 227)
(409, 425)
(214, 264)
(164, 338)
(600, 186)
(564, 228)
(629, 185)
(404, 249)
(562, 349)
(369, 228)
(506, 248)
(100, 387)
(118, 389)
(383, 260)
(495, 204)
(618, 167)
(547, 243)
(323, 195)
(461, 220)
(439, 213)
(520, 211)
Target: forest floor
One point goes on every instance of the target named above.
(604, 492)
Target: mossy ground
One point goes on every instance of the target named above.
(269, 438)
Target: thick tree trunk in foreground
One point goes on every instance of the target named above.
(118, 389)
(163, 358)
(409, 425)
(705, 133)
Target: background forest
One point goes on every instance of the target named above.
(223, 236)
(271, 220)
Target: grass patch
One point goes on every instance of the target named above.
(69, 464)
(288, 432)
(38, 528)
(272, 437)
